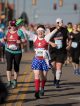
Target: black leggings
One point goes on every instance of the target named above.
(16, 58)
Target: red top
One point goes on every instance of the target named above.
(12, 38)
(41, 44)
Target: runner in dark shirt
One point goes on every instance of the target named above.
(57, 50)
(75, 52)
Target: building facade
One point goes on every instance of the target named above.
(46, 11)
(6, 9)
(43, 11)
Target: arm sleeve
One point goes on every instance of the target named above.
(29, 33)
(48, 36)
(21, 34)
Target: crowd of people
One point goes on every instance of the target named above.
(54, 46)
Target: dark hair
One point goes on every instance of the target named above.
(69, 23)
(41, 26)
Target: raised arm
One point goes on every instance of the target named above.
(29, 33)
(48, 36)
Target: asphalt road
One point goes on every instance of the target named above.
(23, 95)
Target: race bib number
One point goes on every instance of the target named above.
(74, 44)
(12, 47)
(39, 52)
(59, 43)
(42, 53)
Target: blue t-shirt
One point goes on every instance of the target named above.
(1, 35)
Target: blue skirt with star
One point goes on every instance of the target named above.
(39, 64)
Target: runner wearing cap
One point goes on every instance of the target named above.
(57, 50)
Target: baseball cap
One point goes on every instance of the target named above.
(59, 20)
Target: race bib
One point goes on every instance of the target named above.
(39, 52)
(12, 47)
(59, 43)
(74, 44)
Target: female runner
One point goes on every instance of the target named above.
(39, 63)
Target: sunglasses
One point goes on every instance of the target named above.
(57, 22)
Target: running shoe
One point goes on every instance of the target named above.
(76, 72)
(54, 82)
(13, 83)
(42, 92)
(8, 85)
(37, 96)
(57, 84)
